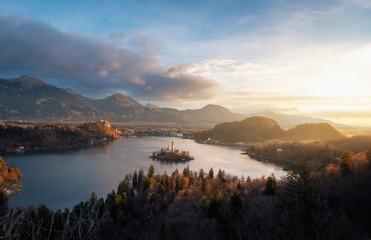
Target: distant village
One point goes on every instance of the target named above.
(142, 131)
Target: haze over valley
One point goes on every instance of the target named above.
(31, 99)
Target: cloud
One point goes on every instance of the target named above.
(93, 65)
(229, 66)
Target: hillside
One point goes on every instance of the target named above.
(354, 144)
(256, 129)
(15, 138)
(29, 98)
(314, 132)
(252, 129)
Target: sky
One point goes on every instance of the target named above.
(304, 57)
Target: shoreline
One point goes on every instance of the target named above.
(15, 151)
(273, 160)
(12, 187)
(258, 158)
(223, 144)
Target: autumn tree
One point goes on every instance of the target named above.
(2, 164)
(368, 156)
(333, 172)
(206, 187)
(178, 183)
(3, 198)
(123, 187)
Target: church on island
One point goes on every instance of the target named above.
(171, 154)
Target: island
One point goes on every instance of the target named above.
(171, 154)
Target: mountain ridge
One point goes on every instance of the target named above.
(286, 120)
(28, 97)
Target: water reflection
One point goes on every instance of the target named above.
(64, 178)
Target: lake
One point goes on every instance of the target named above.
(64, 178)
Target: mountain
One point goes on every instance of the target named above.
(209, 114)
(118, 108)
(314, 131)
(253, 129)
(29, 98)
(286, 120)
(151, 106)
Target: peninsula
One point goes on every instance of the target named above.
(171, 154)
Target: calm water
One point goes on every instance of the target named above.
(63, 179)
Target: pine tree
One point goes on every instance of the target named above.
(236, 202)
(221, 175)
(215, 203)
(300, 193)
(140, 176)
(146, 184)
(201, 174)
(211, 173)
(248, 179)
(93, 198)
(151, 171)
(345, 163)
(135, 179)
(270, 185)
(123, 187)
(152, 199)
(163, 235)
(165, 181)
(186, 171)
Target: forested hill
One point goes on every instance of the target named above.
(252, 129)
(51, 137)
(257, 129)
(314, 131)
(354, 144)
